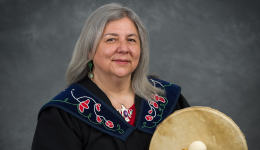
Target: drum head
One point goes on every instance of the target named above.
(210, 126)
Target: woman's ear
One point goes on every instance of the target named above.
(89, 55)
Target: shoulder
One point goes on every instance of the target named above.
(165, 85)
(156, 79)
(54, 116)
(171, 89)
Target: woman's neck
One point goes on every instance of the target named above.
(112, 84)
(118, 90)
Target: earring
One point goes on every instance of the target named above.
(90, 74)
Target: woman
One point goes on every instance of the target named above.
(109, 102)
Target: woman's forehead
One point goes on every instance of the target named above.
(123, 25)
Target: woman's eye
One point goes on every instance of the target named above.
(112, 39)
(131, 40)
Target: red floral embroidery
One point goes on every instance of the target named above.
(109, 124)
(83, 105)
(149, 117)
(158, 98)
(98, 107)
(154, 104)
(150, 111)
(98, 119)
(161, 99)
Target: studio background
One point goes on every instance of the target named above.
(211, 48)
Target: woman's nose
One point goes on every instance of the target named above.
(123, 47)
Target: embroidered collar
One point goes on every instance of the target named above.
(153, 113)
(100, 114)
(93, 88)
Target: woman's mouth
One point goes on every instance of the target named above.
(121, 61)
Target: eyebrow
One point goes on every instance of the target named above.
(114, 34)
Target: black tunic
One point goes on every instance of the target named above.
(57, 129)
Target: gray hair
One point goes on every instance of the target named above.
(89, 40)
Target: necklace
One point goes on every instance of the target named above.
(123, 110)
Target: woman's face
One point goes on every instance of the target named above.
(118, 51)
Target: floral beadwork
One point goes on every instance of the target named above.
(156, 113)
(88, 108)
(97, 107)
(109, 124)
(153, 106)
(83, 105)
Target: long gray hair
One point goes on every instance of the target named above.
(89, 40)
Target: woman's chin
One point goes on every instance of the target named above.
(122, 74)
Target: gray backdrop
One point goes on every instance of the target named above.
(208, 47)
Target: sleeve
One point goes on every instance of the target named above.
(182, 103)
(57, 129)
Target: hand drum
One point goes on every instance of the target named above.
(205, 124)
